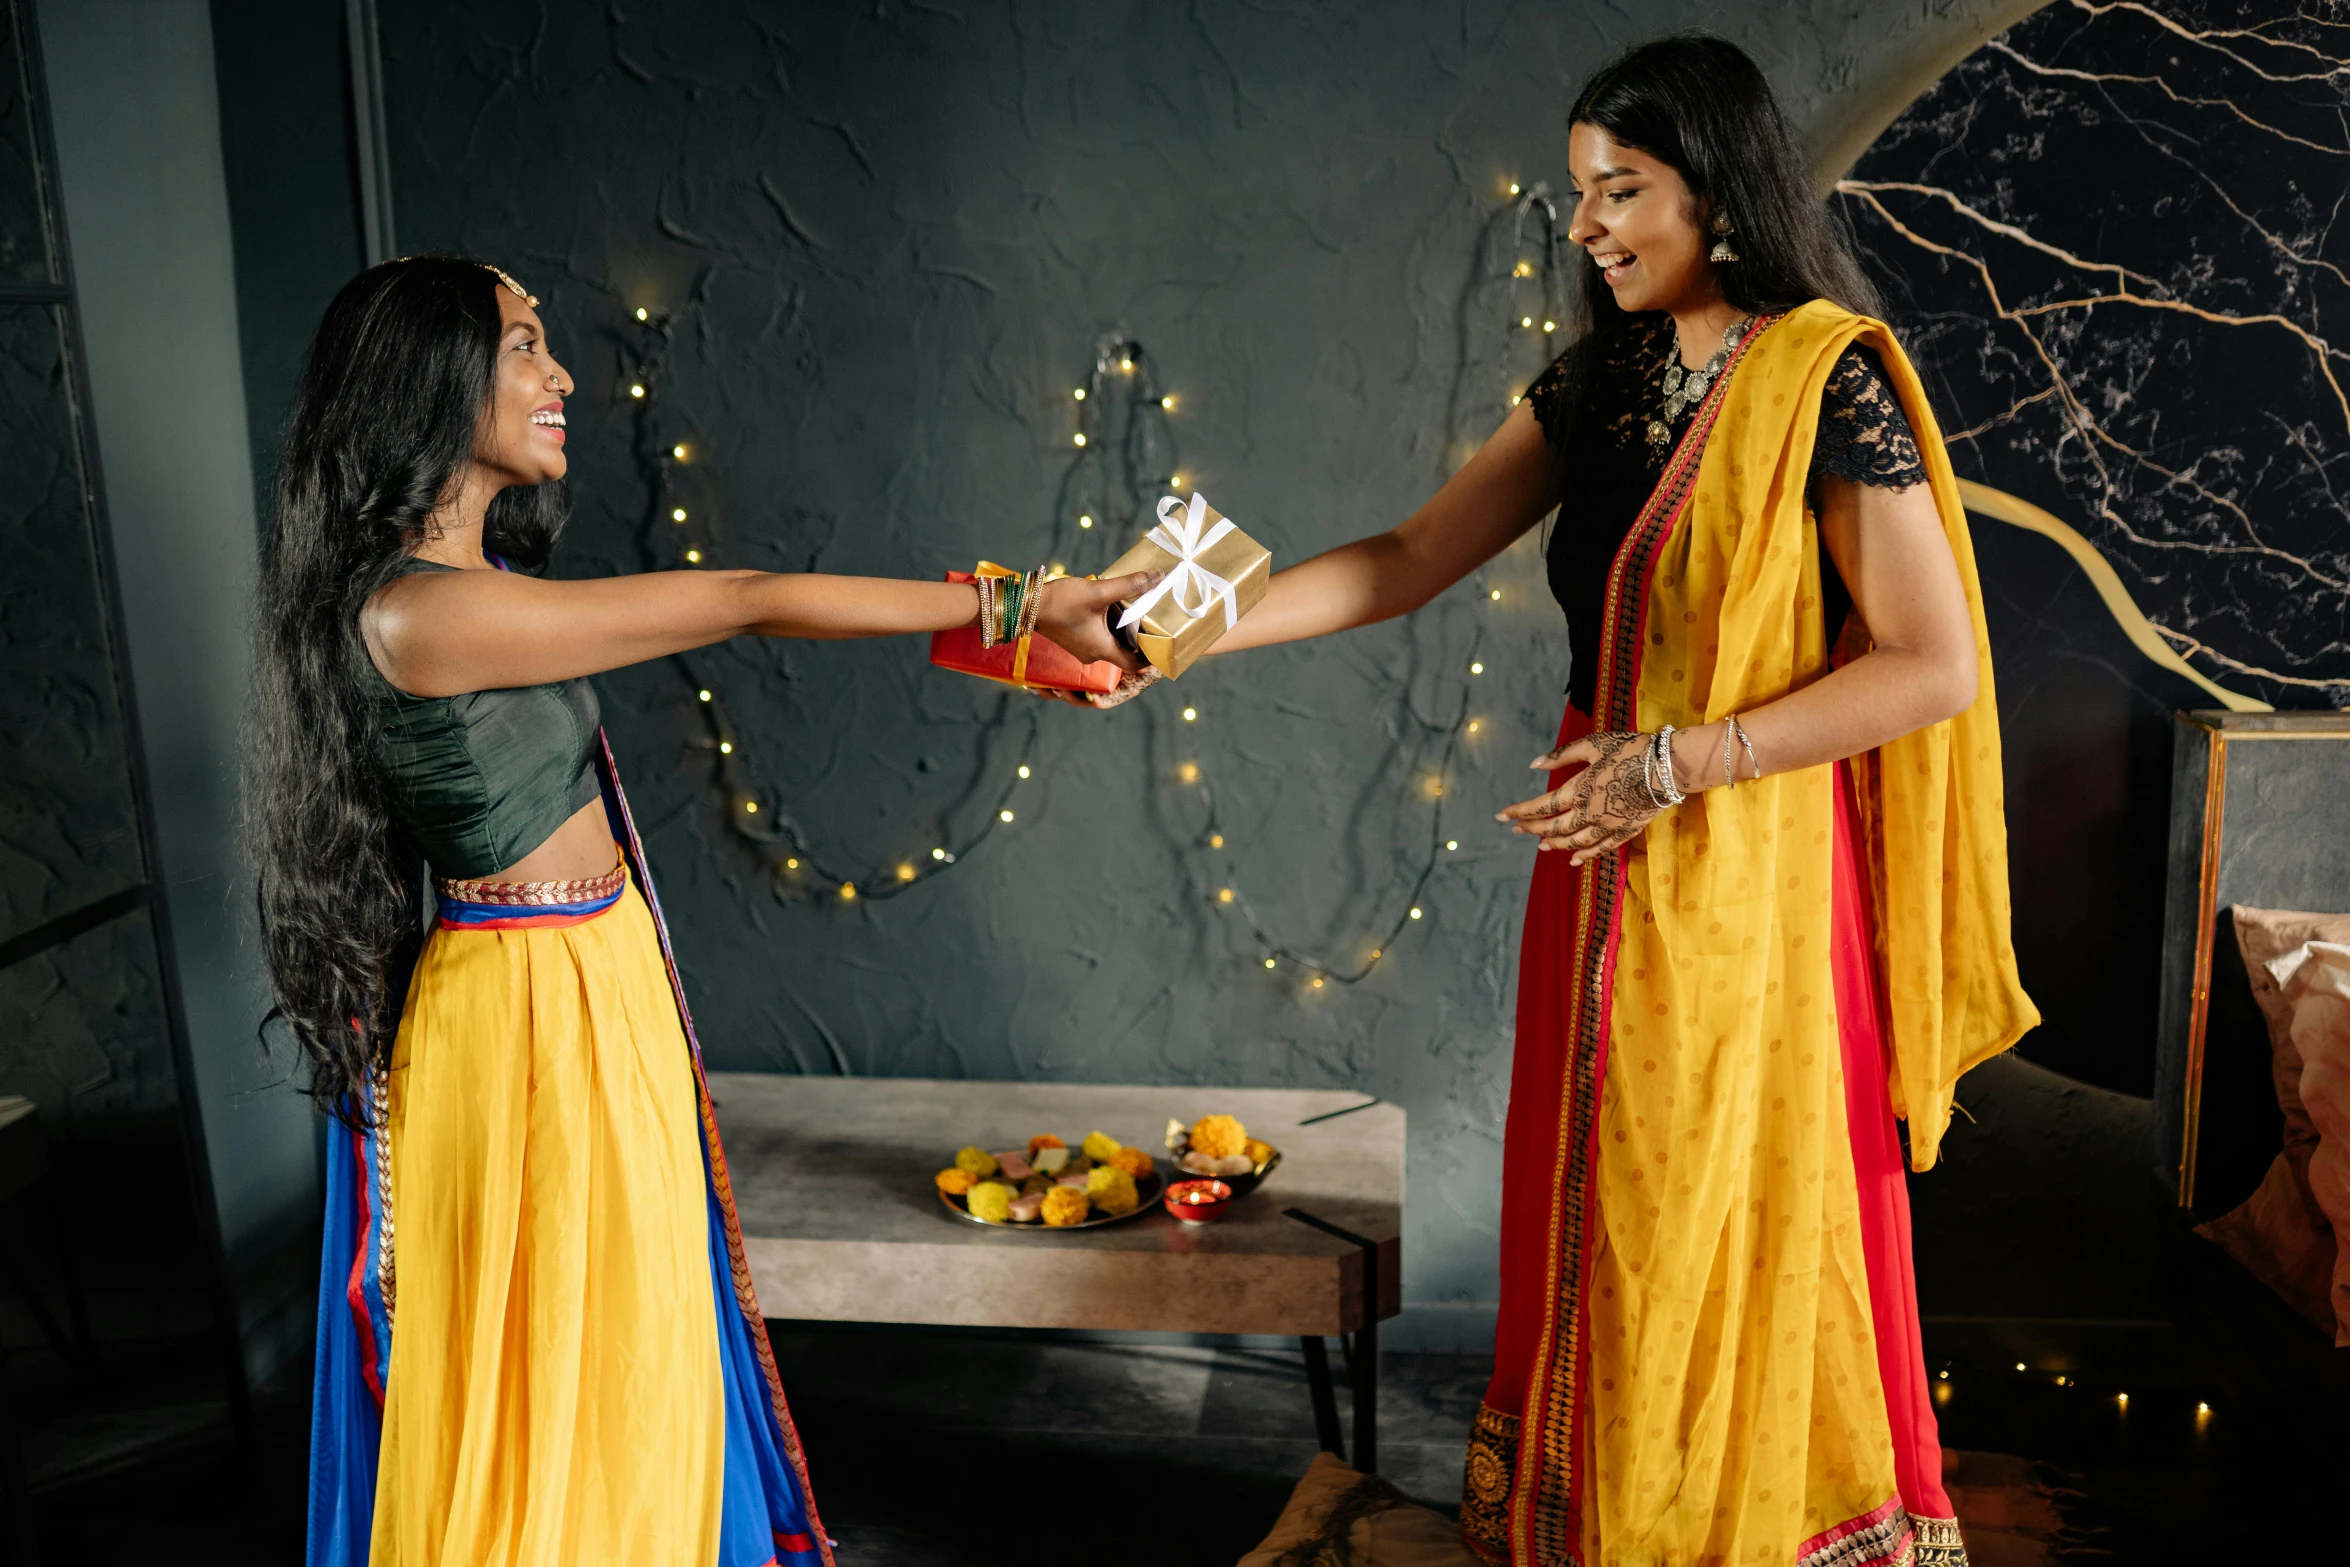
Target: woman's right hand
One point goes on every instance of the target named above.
(1076, 614)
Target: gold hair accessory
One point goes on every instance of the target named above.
(503, 276)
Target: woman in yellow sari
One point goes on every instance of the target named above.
(1776, 917)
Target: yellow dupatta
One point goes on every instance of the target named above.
(1706, 1387)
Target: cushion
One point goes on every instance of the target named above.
(2290, 1234)
(1338, 1517)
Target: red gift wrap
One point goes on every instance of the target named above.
(1033, 663)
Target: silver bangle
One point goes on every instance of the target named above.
(986, 587)
(1729, 730)
(1661, 761)
(1740, 729)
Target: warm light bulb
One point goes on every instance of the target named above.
(678, 451)
(1081, 438)
(1374, 954)
(677, 514)
(1190, 713)
(791, 865)
(1475, 724)
(1215, 840)
(2202, 1408)
(726, 748)
(1415, 914)
(1513, 187)
(1525, 320)
(1081, 394)
(1268, 962)
(1168, 402)
(938, 854)
(637, 390)
(1023, 769)
(906, 871)
(1003, 816)
(1175, 481)
(1495, 595)
(1452, 845)
(640, 312)
(703, 695)
(1522, 269)
(1515, 399)
(751, 807)
(2019, 1365)
(1224, 895)
(1550, 326)
(848, 892)
(1085, 522)
(1055, 571)
(2122, 1399)
(1126, 364)
(1317, 982)
(694, 557)
(1188, 772)
(1476, 669)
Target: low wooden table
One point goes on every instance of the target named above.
(832, 1177)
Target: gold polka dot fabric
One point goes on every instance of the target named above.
(1720, 1392)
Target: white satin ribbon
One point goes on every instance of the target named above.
(1193, 587)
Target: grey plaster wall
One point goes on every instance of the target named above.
(876, 246)
(137, 123)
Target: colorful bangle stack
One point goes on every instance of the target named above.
(1657, 772)
(1008, 606)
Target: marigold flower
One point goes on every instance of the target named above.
(955, 1182)
(1134, 1162)
(977, 1160)
(1111, 1189)
(1043, 1140)
(992, 1201)
(1065, 1205)
(1218, 1136)
(1099, 1146)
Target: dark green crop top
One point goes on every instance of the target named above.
(480, 780)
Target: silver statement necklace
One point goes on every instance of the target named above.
(1685, 388)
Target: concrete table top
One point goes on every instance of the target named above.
(832, 1177)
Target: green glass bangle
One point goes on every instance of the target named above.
(1011, 600)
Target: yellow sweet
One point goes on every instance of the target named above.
(1065, 1205)
(977, 1160)
(1100, 1147)
(991, 1200)
(1111, 1189)
(955, 1182)
(1257, 1152)
(1218, 1136)
(1133, 1161)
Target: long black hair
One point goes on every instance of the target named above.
(1700, 104)
(395, 393)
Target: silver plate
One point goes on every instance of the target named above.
(1150, 1189)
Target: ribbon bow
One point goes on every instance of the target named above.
(1193, 587)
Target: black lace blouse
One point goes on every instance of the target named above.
(1609, 465)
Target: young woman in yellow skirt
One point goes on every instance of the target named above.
(524, 1176)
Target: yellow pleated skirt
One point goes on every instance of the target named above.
(555, 1393)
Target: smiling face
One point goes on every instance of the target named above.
(521, 439)
(1638, 220)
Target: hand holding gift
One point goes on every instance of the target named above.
(1046, 634)
(1213, 575)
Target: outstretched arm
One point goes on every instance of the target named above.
(450, 632)
(1504, 490)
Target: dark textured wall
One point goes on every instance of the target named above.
(877, 247)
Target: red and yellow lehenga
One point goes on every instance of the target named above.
(1707, 1350)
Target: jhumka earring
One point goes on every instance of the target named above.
(1722, 233)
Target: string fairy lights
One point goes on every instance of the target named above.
(1122, 455)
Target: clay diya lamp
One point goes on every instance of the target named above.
(1198, 1202)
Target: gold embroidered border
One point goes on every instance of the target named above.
(1485, 1483)
(1939, 1542)
(1545, 1505)
(532, 894)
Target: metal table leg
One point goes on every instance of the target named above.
(1365, 1371)
(1362, 1355)
(1325, 1396)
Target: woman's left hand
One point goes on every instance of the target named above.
(1603, 804)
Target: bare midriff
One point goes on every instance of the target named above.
(579, 849)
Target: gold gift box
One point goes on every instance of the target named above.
(1204, 545)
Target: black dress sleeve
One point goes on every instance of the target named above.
(1864, 436)
(1548, 395)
